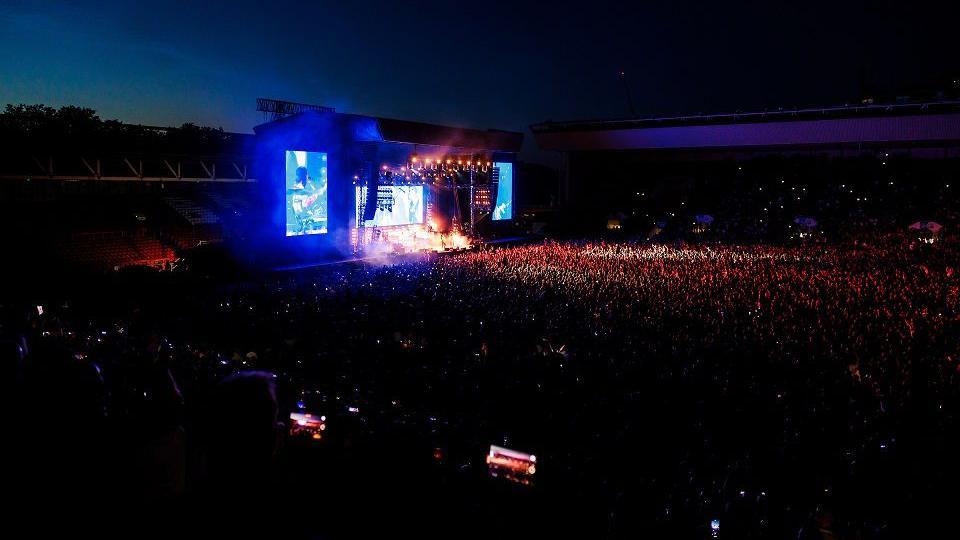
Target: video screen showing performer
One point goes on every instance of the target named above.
(503, 175)
(396, 205)
(306, 188)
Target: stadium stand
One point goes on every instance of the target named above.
(192, 211)
(115, 250)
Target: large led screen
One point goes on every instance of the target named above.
(306, 188)
(395, 205)
(504, 206)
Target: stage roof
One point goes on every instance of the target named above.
(404, 131)
(376, 129)
(908, 124)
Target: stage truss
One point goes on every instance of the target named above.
(449, 182)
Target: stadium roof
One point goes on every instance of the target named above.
(916, 123)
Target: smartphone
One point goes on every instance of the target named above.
(307, 425)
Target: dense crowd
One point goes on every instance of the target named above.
(800, 392)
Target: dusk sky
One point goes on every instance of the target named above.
(481, 64)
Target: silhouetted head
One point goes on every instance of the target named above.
(12, 352)
(65, 384)
(243, 428)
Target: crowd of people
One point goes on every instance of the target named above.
(680, 390)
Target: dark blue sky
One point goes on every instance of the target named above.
(480, 64)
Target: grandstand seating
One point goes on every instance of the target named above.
(109, 225)
(229, 205)
(111, 250)
(192, 211)
(190, 237)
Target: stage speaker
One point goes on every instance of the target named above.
(373, 181)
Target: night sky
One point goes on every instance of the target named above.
(481, 64)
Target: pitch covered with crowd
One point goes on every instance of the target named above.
(770, 391)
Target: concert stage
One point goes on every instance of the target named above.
(345, 186)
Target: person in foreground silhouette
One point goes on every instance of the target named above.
(243, 434)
